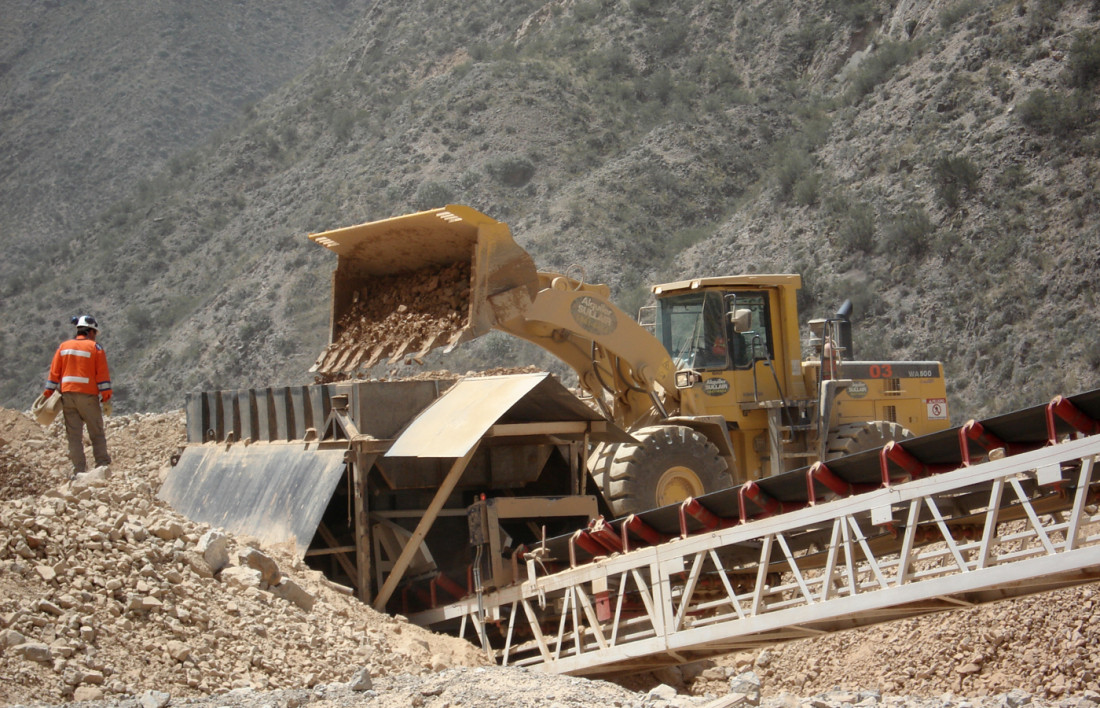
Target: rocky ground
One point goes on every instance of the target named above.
(109, 597)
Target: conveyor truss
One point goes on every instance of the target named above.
(987, 511)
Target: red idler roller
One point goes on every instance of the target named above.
(1063, 408)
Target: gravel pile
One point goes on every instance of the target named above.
(105, 592)
(110, 597)
(1047, 645)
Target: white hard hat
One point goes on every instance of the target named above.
(85, 322)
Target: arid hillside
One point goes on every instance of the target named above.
(933, 160)
(99, 97)
(108, 595)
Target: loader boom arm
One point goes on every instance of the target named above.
(620, 363)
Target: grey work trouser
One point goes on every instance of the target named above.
(82, 409)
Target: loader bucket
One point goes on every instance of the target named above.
(406, 285)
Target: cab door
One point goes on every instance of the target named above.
(754, 371)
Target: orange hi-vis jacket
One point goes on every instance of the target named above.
(79, 366)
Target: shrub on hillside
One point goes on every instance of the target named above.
(343, 124)
(951, 15)
(792, 166)
(1054, 113)
(668, 37)
(952, 176)
(431, 195)
(807, 189)
(1083, 66)
(614, 61)
(255, 328)
(140, 318)
(658, 85)
(877, 68)
(854, 12)
(514, 171)
(857, 231)
(587, 11)
(906, 235)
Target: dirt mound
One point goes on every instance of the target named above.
(17, 477)
(17, 426)
(108, 592)
(1048, 645)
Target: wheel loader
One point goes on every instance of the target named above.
(710, 382)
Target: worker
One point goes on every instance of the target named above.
(79, 374)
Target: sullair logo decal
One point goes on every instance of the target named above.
(716, 386)
(593, 316)
(858, 389)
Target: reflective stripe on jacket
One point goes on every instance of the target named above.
(79, 366)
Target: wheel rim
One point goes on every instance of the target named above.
(677, 484)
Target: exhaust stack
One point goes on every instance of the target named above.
(844, 329)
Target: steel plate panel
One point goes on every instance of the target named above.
(275, 492)
(458, 419)
(454, 423)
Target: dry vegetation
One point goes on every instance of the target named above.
(933, 160)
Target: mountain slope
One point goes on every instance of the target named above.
(931, 160)
(98, 96)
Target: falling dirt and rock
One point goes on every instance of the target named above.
(108, 596)
(400, 315)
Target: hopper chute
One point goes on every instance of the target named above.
(406, 285)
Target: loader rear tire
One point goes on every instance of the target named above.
(668, 464)
(850, 438)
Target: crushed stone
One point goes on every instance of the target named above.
(109, 597)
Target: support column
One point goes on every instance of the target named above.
(422, 528)
(363, 463)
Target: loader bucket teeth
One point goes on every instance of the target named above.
(454, 341)
(339, 364)
(420, 281)
(375, 356)
(325, 360)
(359, 354)
(430, 344)
(320, 360)
(400, 352)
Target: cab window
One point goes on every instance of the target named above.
(756, 342)
(694, 329)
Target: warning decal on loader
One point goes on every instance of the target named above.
(716, 386)
(937, 408)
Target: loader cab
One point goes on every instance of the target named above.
(740, 329)
(754, 372)
(716, 329)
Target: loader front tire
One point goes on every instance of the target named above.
(850, 438)
(668, 464)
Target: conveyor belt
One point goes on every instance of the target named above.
(954, 526)
(1022, 430)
